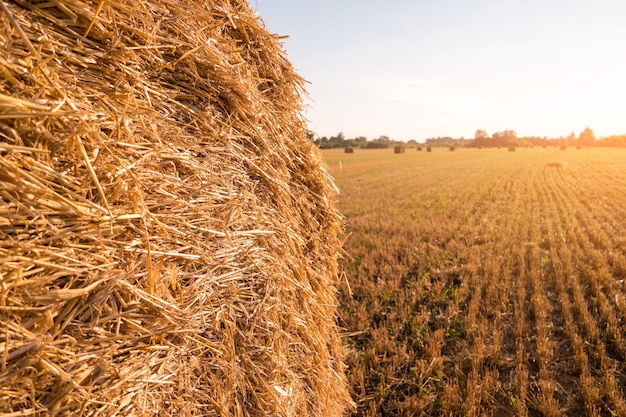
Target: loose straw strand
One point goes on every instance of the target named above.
(95, 16)
(30, 46)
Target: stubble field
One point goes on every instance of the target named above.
(484, 282)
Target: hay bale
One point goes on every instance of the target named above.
(348, 150)
(168, 238)
(398, 149)
(511, 148)
(452, 148)
(429, 149)
(419, 148)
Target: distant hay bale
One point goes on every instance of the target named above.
(554, 165)
(452, 148)
(419, 148)
(429, 149)
(511, 148)
(168, 234)
(348, 150)
(398, 149)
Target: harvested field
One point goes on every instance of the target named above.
(485, 282)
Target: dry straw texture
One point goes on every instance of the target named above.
(168, 239)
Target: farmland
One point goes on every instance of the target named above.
(484, 282)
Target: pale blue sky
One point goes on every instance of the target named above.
(413, 69)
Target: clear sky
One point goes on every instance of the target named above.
(415, 69)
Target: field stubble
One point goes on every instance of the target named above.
(483, 282)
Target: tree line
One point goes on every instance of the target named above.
(505, 138)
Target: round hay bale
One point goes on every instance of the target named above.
(168, 236)
(348, 150)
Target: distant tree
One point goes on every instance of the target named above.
(441, 141)
(338, 141)
(505, 138)
(586, 138)
(322, 142)
(481, 135)
(617, 141)
(360, 141)
(481, 139)
(376, 145)
(383, 139)
(379, 142)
